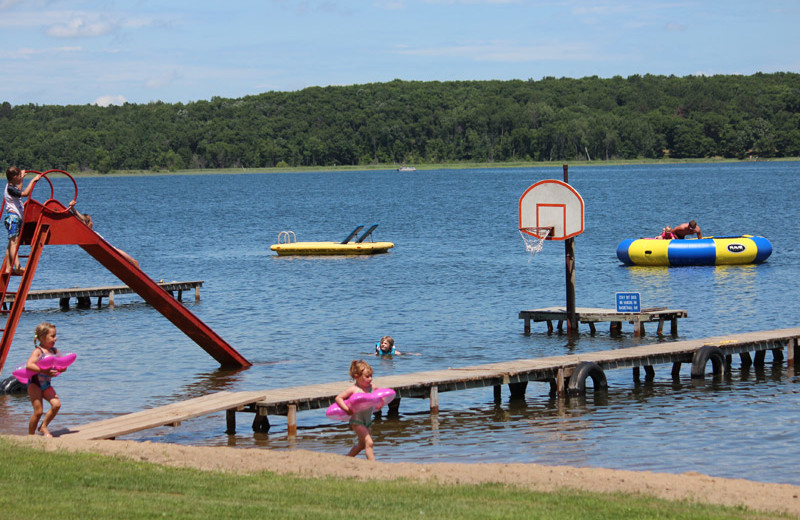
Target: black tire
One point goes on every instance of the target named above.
(701, 358)
(577, 381)
(12, 386)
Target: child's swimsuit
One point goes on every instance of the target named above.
(362, 418)
(41, 379)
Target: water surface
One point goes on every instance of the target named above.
(449, 291)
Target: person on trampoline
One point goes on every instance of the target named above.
(687, 228)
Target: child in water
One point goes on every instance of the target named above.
(386, 347)
(360, 422)
(39, 386)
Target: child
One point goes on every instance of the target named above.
(386, 347)
(39, 385)
(666, 233)
(361, 422)
(13, 196)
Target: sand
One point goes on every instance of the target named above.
(692, 486)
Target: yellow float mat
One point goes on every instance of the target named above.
(331, 248)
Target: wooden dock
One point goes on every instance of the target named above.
(591, 316)
(567, 375)
(84, 294)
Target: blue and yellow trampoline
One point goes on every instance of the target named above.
(729, 250)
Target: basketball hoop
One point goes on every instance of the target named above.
(534, 238)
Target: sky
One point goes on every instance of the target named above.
(62, 52)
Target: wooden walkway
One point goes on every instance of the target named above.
(85, 294)
(591, 316)
(562, 372)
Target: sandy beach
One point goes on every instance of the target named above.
(688, 486)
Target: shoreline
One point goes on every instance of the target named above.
(423, 167)
(690, 486)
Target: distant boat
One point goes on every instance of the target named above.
(405, 168)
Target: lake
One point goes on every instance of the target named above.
(450, 291)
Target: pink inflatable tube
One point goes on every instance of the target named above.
(59, 362)
(360, 402)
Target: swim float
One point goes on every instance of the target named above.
(59, 362)
(722, 250)
(360, 402)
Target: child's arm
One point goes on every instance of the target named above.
(29, 188)
(32, 366)
(344, 395)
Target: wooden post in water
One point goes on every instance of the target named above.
(569, 257)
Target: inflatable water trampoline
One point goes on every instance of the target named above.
(727, 250)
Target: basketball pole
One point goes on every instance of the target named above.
(569, 257)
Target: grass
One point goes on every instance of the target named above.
(56, 485)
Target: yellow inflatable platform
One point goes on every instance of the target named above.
(288, 245)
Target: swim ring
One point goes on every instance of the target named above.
(59, 362)
(360, 402)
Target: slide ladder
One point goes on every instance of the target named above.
(51, 223)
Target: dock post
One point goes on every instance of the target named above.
(291, 417)
(635, 374)
(230, 421)
(498, 395)
(560, 387)
(434, 400)
(261, 422)
(111, 299)
(527, 329)
(518, 390)
(638, 328)
(791, 351)
(197, 293)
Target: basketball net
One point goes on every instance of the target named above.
(534, 244)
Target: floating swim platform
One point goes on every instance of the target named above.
(288, 245)
(722, 250)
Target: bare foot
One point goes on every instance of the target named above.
(45, 432)
(18, 271)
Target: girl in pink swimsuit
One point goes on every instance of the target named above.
(39, 388)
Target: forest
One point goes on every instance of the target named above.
(416, 122)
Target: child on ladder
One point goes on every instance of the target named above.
(15, 209)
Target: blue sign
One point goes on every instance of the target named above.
(628, 302)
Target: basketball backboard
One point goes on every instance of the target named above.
(551, 204)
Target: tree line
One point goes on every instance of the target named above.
(416, 122)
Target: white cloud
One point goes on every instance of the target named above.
(105, 101)
(29, 52)
(80, 28)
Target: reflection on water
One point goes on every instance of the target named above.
(453, 298)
